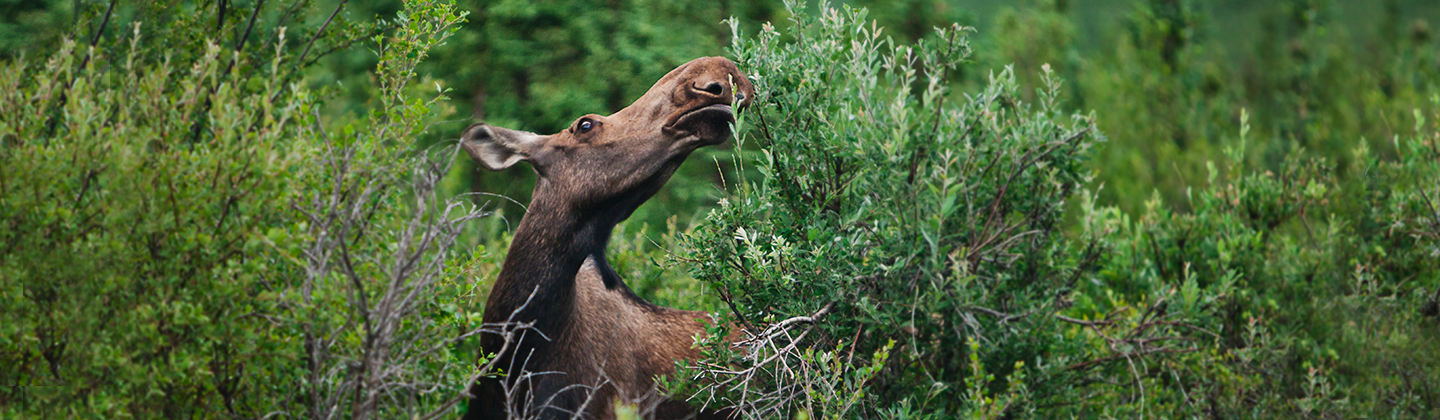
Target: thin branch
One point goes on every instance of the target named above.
(103, 23)
(300, 62)
(240, 45)
(64, 94)
(1004, 317)
(1080, 322)
(220, 21)
(1091, 363)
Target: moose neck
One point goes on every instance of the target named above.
(554, 239)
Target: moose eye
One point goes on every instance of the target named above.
(586, 125)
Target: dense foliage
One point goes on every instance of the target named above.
(1288, 285)
(895, 220)
(909, 217)
(185, 236)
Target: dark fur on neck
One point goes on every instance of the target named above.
(551, 244)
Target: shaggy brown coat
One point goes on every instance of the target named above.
(592, 176)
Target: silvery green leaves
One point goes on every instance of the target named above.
(195, 239)
(890, 208)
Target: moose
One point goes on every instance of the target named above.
(592, 340)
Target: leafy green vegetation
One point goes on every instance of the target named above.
(1147, 208)
(909, 218)
(890, 218)
(185, 235)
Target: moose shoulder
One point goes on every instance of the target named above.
(600, 341)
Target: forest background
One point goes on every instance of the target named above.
(1258, 185)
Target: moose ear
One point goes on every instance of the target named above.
(498, 148)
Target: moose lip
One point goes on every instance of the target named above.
(725, 108)
(709, 123)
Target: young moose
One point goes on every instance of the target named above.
(592, 176)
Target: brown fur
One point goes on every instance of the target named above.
(598, 330)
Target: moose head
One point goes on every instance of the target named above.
(630, 153)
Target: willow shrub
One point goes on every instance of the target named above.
(127, 267)
(183, 234)
(911, 232)
(1306, 297)
(905, 252)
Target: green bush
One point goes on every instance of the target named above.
(132, 272)
(186, 236)
(920, 237)
(1302, 296)
(887, 211)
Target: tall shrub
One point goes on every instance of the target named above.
(900, 255)
(133, 184)
(1300, 295)
(916, 229)
(185, 235)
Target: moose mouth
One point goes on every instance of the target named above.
(711, 123)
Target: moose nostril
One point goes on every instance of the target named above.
(713, 88)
